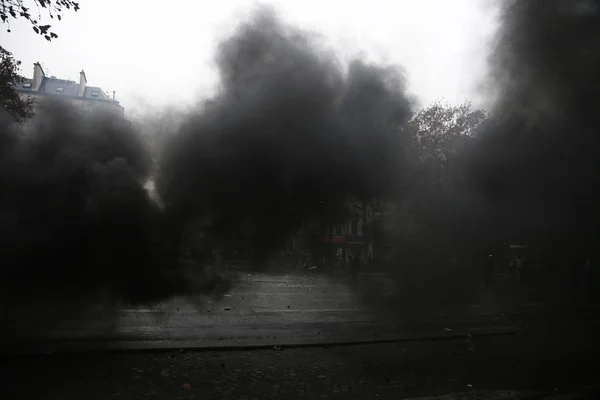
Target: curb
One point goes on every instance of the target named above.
(485, 395)
(121, 346)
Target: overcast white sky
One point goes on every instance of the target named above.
(160, 52)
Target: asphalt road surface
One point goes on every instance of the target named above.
(534, 364)
(502, 340)
(283, 309)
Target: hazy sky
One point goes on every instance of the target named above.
(160, 52)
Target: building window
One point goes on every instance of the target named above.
(60, 89)
(354, 227)
(314, 225)
(319, 226)
(338, 229)
(27, 85)
(94, 93)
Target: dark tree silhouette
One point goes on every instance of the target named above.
(11, 102)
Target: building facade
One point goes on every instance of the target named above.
(372, 230)
(90, 100)
(335, 239)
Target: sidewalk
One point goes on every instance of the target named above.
(505, 296)
(276, 277)
(477, 367)
(242, 336)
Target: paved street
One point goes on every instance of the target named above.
(261, 321)
(544, 361)
(280, 309)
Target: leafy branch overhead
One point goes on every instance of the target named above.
(15, 9)
(11, 102)
(440, 128)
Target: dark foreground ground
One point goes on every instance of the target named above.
(546, 359)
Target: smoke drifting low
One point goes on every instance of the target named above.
(76, 224)
(538, 161)
(291, 134)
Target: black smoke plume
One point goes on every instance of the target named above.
(533, 170)
(77, 225)
(290, 134)
(538, 160)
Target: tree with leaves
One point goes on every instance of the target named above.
(11, 103)
(17, 107)
(437, 204)
(440, 130)
(15, 9)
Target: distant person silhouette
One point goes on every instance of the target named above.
(489, 270)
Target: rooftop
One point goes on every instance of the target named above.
(62, 87)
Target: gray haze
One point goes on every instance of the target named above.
(538, 161)
(77, 226)
(291, 134)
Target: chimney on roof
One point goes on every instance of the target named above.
(82, 83)
(38, 76)
(113, 95)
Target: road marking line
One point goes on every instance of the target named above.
(288, 294)
(532, 304)
(288, 310)
(256, 310)
(480, 394)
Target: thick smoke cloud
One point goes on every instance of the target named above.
(533, 170)
(538, 161)
(291, 134)
(76, 224)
